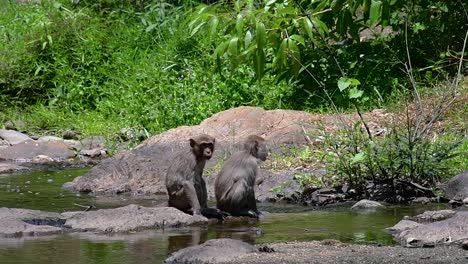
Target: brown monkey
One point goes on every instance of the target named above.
(184, 182)
(234, 186)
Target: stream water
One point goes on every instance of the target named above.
(42, 191)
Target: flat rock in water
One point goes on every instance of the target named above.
(436, 233)
(13, 137)
(431, 216)
(6, 167)
(27, 150)
(212, 251)
(131, 218)
(402, 226)
(23, 222)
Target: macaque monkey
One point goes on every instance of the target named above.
(184, 182)
(234, 186)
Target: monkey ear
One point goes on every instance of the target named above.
(192, 143)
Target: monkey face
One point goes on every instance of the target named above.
(262, 152)
(203, 146)
(207, 150)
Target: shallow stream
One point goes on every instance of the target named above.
(42, 191)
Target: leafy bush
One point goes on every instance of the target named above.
(395, 157)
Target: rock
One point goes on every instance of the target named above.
(49, 138)
(431, 216)
(422, 200)
(131, 218)
(436, 233)
(17, 125)
(13, 137)
(364, 205)
(93, 142)
(42, 159)
(27, 150)
(326, 196)
(6, 167)
(284, 185)
(212, 251)
(92, 153)
(464, 244)
(69, 134)
(142, 170)
(402, 226)
(23, 222)
(457, 187)
(4, 144)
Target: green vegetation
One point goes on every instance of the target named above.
(100, 66)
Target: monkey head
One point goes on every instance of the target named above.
(256, 146)
(202, 146)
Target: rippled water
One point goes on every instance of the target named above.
(42, 190)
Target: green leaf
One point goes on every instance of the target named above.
(221, 49)
(195, 30)
(259, 64)
(280, 54)
(214, 25)
(354, 82)
(150, 27)
(358, 157)
(298, 39)
(247, 39)
(293, 49)
(260, 35)
(239, 24)
(343, 83)
(375, 12)
(320, 26)
(233, 48)
(355, 93)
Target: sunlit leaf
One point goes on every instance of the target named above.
(361, 156)
(239, 24)
(355, 93)
(248, 38)
(195, 30)
(214, 25)
(298, 39)
(233, 48)
(375, 12)
(343, 83)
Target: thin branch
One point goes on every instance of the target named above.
(460, 65)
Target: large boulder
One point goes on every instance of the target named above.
(457, 187)
(212, 251)
(142, 170)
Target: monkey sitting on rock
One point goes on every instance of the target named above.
(184, 182)
(234, 185)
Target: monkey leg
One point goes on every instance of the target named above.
(191, 197)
